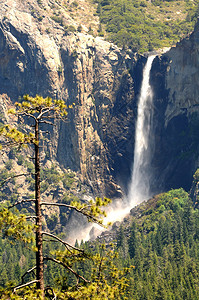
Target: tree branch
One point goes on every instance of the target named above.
(30, 157)
(26, 114)
(27, 272)
(31, 217)
(67, 267)
(42, 113)
(10, 144)
(47, 122)
(87, 214)
(63, 242)
(15, 176)
(20, 202)
(25, 284)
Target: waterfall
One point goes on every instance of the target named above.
(139, 189)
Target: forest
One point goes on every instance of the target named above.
(153, 253)
(146, 25)
(153, 256)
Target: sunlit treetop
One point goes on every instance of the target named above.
(41, 108)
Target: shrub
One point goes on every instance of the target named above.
(52, 222)
(8, 165)
(20, 160)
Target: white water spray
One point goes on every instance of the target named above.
(139, 189)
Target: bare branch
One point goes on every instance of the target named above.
(45, 111)
(11, 144)
(61, 241)
(81, 210)
(25, 284)
(31, 217)
(48, 240)
(26, 114)
(15, 176)
(67, 267)
(47, 122)
(20, 202)
(27, 272)
(30, 157)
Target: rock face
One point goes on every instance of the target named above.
(42, 52)
(175, 81)
(40, 55)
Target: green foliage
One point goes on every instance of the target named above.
(93, 210)
(68, 180)
(20, 159)
(174, 198)
(14, 225)
(29, 165)
(162, 246)
(38, 104)
(79, 28)
(52, 221)
(57, 19)
(143, 25)
(75, 4)
(157, 257)
(8, 165)
(14, 136)
(69, 28)
(107, 280)
(196, 176)
(50, 175)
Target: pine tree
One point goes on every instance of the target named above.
(37, 112)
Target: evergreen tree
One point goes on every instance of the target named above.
(40, 112)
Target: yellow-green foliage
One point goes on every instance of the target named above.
(41, 107)
(37, 108)
(107, 281)
(196, 175)
(16, 137)
(28, 294)
(15, 225)
(92, 210)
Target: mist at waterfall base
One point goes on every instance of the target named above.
(139, 187)
(84, 231)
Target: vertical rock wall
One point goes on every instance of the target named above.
(175, 80)
(39, 56)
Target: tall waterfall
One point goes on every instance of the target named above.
(139, 189)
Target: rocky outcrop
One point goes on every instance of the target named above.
(194, 192)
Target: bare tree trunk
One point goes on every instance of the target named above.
(39, 245)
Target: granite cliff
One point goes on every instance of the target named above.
(174, 78)
(46, 49)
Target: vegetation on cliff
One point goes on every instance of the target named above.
(146, 25)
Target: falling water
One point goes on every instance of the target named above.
(139, 189)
